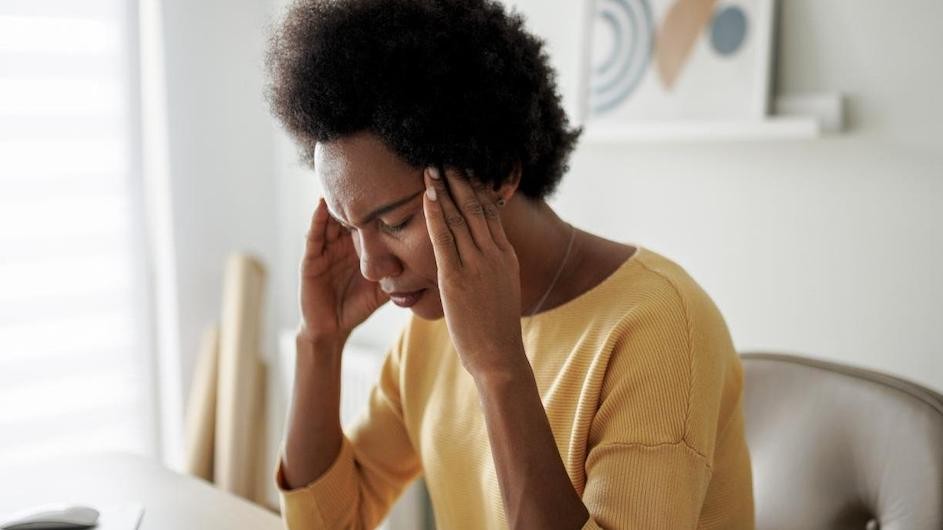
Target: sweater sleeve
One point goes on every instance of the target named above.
(642, 486)
(375, 463)
(649, 461)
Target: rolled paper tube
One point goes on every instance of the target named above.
(237, 418)
(201, 408)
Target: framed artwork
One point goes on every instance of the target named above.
(677, 60)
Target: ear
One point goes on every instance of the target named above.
(508, 188)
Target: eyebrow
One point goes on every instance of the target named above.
(381, 210)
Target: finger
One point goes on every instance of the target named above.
(493, 218)
(334, 229)
(443, 242)
(454, 219)
(466, 199)
(314, 240)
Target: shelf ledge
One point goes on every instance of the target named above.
(800, 116)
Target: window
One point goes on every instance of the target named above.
(75, 361)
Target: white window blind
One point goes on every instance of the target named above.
(75, 369)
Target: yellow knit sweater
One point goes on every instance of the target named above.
(642, 386)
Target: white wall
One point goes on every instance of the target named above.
(220, 147)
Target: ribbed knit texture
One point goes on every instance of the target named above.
(642, 387)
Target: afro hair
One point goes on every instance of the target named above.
(452, 83)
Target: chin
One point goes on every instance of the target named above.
(429, 308)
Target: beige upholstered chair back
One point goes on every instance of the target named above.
(836, 447)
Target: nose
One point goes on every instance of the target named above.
(376, 259)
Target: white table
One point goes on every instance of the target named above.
(171, 500)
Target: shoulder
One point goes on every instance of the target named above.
(670, 353)
(649, 285)
(685, 310)
(658, 287)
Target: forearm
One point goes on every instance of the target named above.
(314, 436)
(536, 489)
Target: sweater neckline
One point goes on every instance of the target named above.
(591, 292)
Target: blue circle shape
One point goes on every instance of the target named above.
(728, 30)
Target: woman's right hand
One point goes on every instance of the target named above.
(335, 297)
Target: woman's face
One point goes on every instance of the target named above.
(378, 197)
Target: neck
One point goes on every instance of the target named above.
(540, 239)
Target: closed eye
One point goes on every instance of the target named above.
(392, 229)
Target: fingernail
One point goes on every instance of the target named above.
(430, 192)
(434, 173)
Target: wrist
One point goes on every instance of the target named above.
(513, 368)
(320, 341)
(319, 347)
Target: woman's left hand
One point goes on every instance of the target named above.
(478, 274)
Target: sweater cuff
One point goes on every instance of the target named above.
(325, 502)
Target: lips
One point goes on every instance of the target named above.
(407, 298)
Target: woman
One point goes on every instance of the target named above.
(548, 378)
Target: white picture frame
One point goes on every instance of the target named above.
(724, 75)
